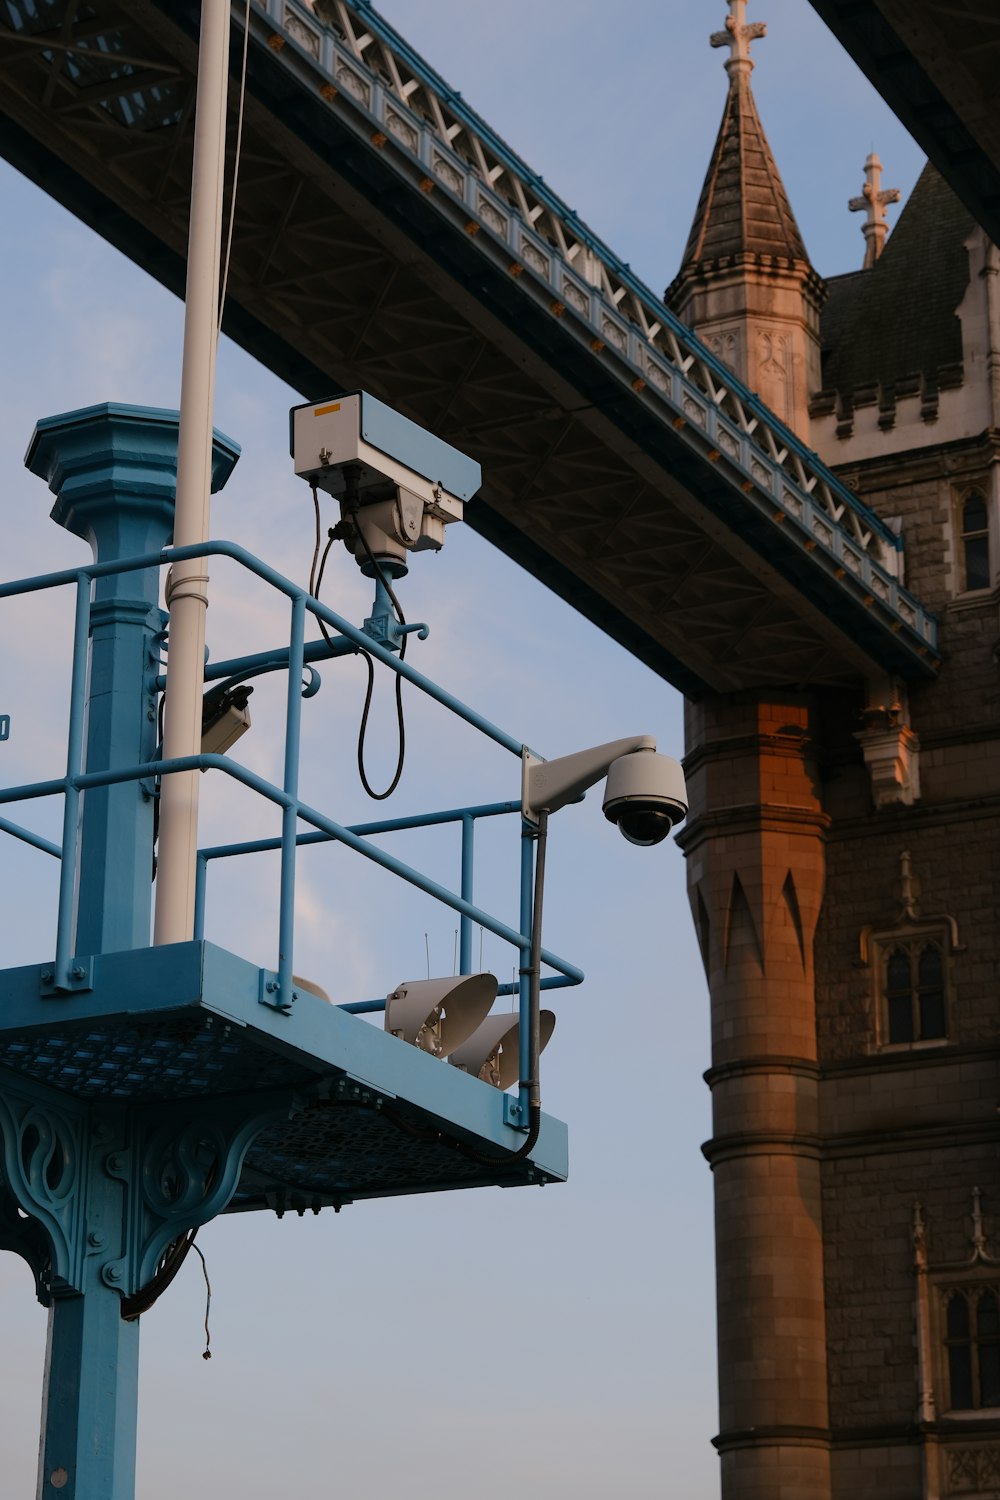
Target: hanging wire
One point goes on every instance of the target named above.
(224, 279)
(169, 1264)
(207, 1352)
(387, 585)
(316, 572)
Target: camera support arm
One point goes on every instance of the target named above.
(548, 785)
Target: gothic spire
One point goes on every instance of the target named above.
(743, 208)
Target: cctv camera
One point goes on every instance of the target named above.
(645, 795)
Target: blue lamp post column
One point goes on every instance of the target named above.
(113, 471)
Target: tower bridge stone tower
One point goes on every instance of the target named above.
(842, 857)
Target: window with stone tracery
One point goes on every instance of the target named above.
(975, 533)
(911, 979)
(971, 1326)
(912, 989)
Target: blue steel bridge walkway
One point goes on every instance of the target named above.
(388, 239)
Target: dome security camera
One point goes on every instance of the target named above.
(645, 796)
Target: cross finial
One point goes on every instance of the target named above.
(872, 202)
(738, 35)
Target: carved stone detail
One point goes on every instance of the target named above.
(492, 217)
(534, 258)
(402, 130)
(791, 502)
(694, 411)
(448, 173)
(892, 755)
(299, 32)
(575, 295)
(657, 375)
(352, 83)
(728, 346)
(614, 334)
(973, 1471)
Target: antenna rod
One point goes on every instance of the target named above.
(187, 584)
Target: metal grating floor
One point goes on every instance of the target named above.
(179, 1058)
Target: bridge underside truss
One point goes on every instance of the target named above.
(347, 274)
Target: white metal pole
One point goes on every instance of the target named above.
(187, 592)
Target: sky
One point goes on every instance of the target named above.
(557, 1343)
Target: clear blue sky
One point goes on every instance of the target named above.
(557, 1343)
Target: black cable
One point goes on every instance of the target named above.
(207, 1352)
(312, 570)
(381, 576)
(170, 1263)
(381, 796)
(315, 584)
(330, 538)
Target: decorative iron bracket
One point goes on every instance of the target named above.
(81, 1178)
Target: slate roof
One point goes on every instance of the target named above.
(896, 323)
(743, 208)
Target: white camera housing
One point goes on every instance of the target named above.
(407, 483)
(645, 796)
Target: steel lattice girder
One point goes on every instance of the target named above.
(346, 273)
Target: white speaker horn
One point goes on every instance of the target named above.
(310, 988)
(438, 1015)
(493, 1052)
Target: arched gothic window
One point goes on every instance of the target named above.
(912, 990)
(975, 541)
(972, 1343)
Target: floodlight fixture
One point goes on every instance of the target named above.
(310, 988)
(492, 1053)
(438, 1015)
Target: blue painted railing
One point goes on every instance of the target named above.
(277, 987)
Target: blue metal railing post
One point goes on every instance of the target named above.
(66, 914)
(523, 978)
(113, 471)
(465, 923)
(200, 896)
(289, 817)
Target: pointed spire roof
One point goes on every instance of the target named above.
(743, 209)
